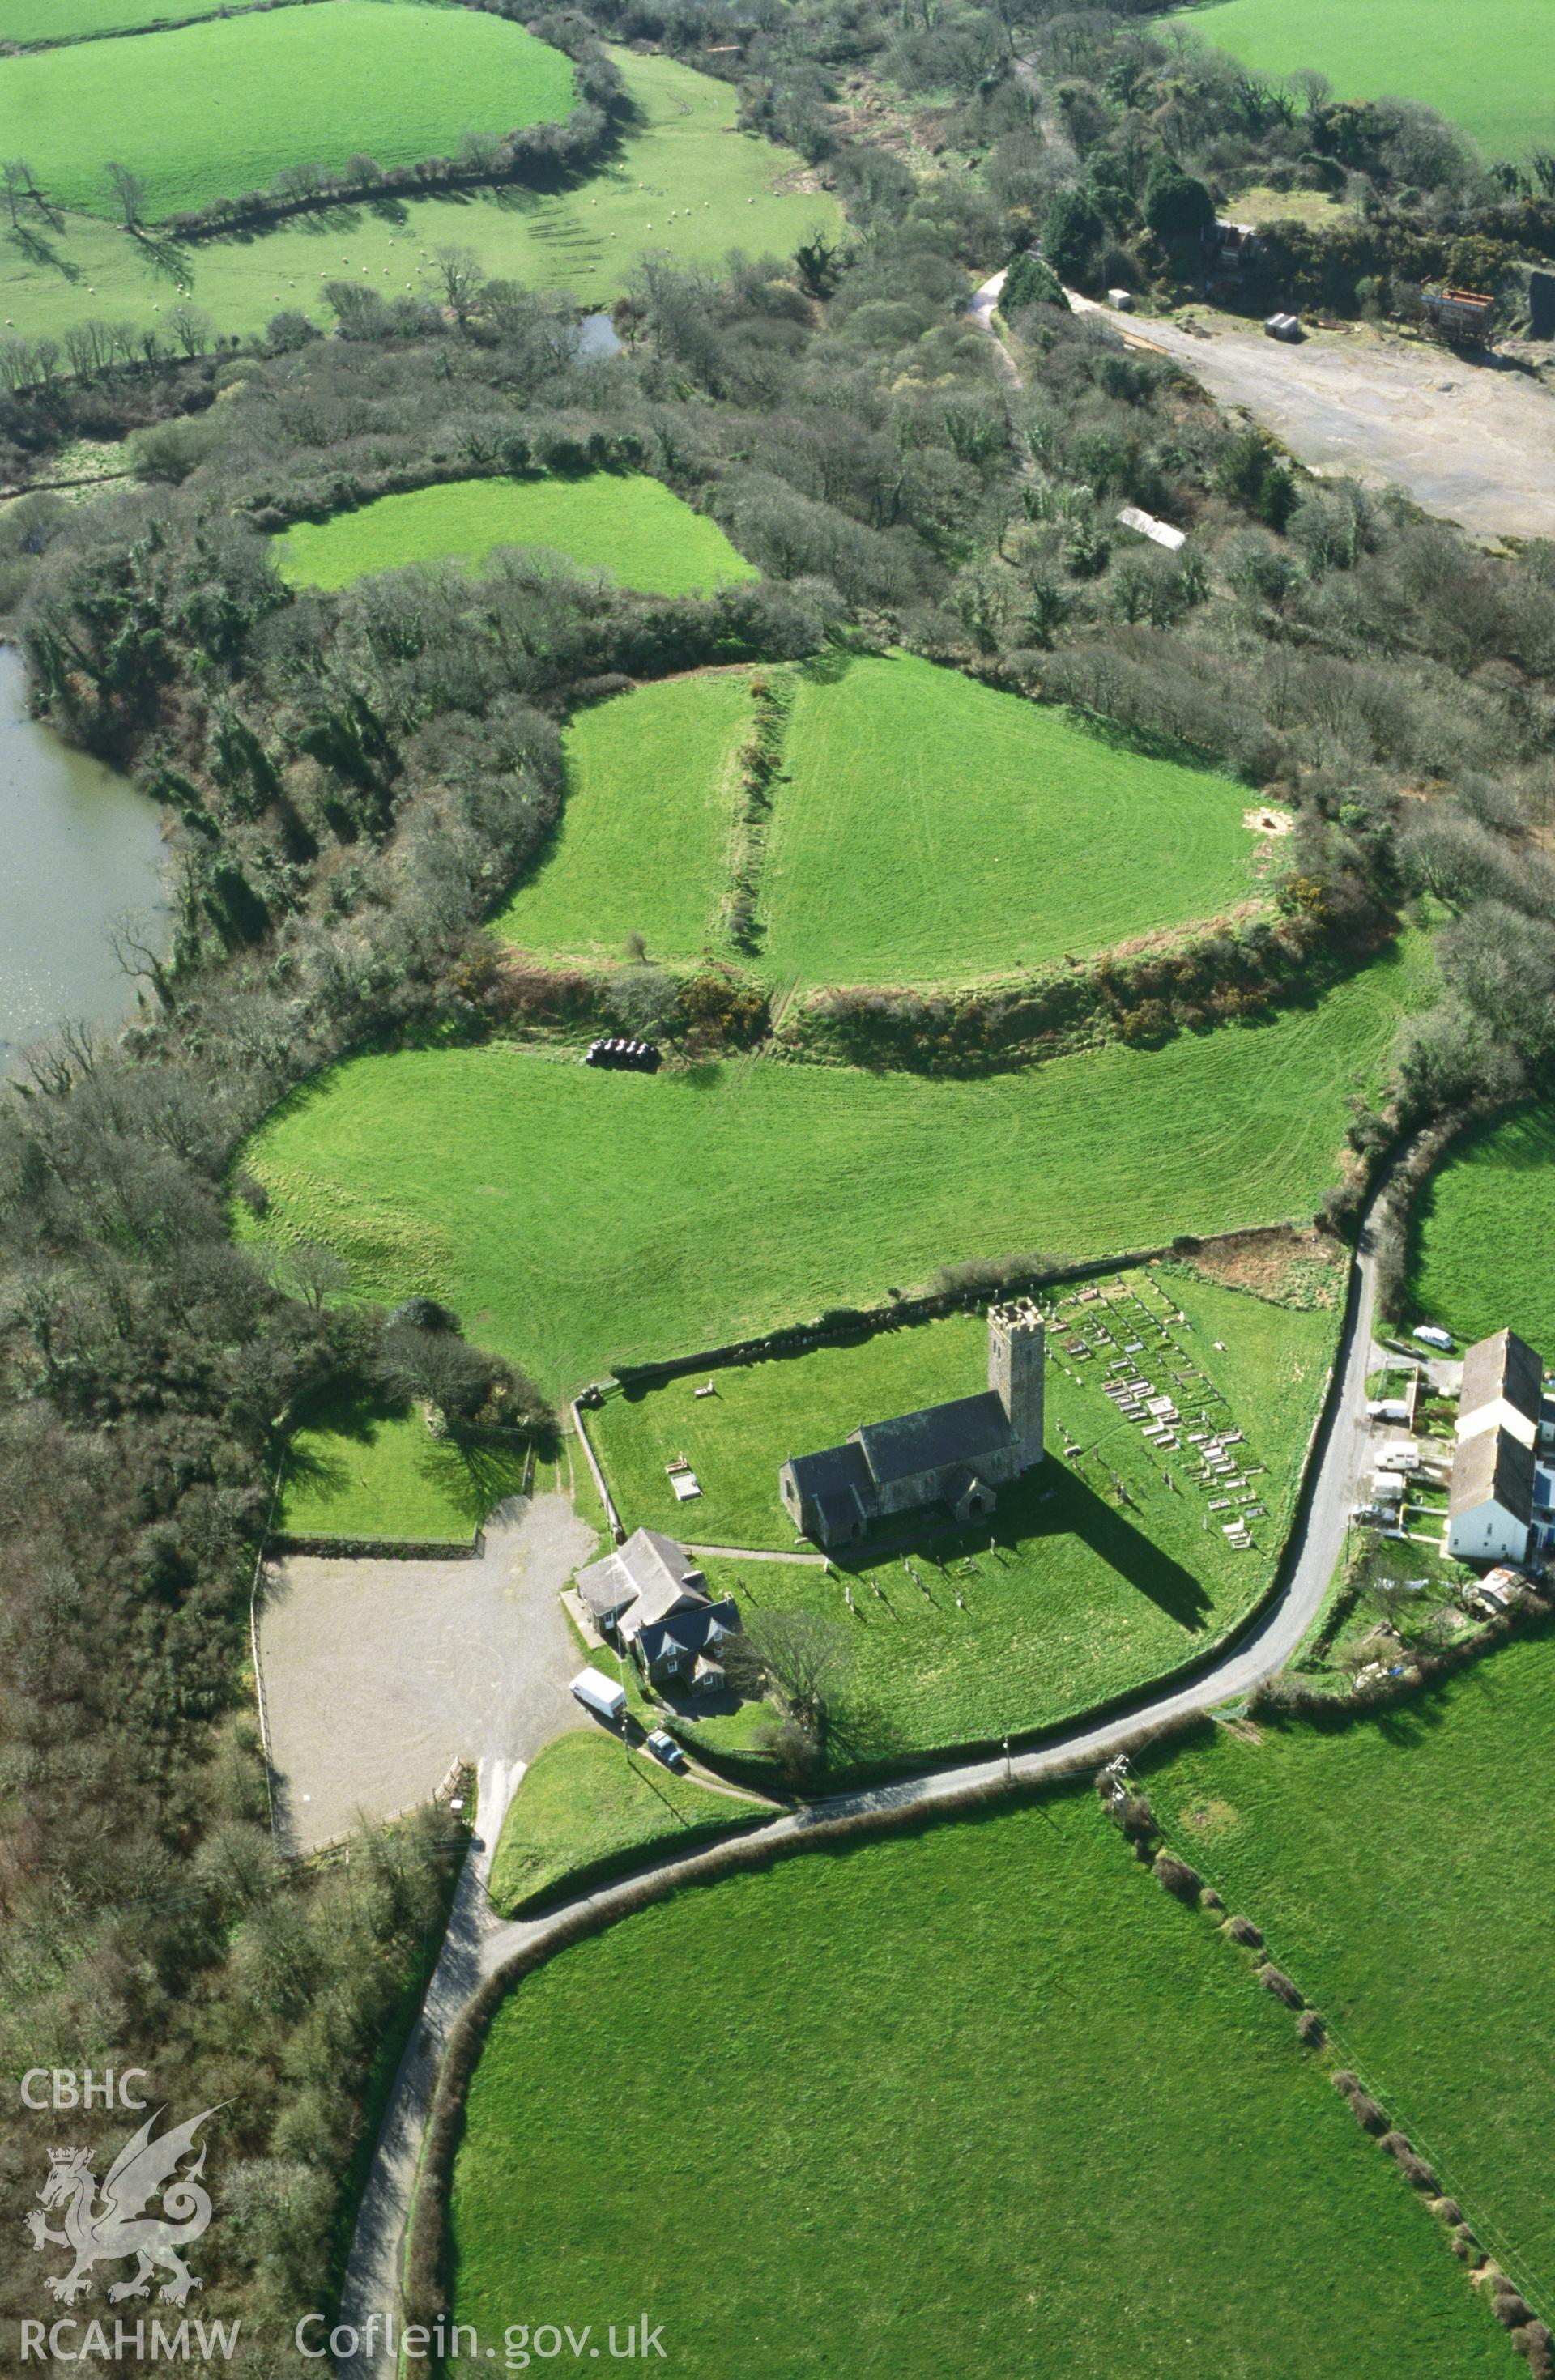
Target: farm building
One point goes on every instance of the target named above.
(651, 1599)
(958, 1453)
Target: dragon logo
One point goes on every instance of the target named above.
(103, 2226)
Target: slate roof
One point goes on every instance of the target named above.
(1492, 1466)
(962, 1431)
(688, 1632)
(1502, 1366)
(646, 1577)
(836, 1471)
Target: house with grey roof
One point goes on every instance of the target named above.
(1490, 1498)
(958, 1454)
(649, 1597)
(1502, 1389)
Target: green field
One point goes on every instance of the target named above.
(1489, 67)
(980, 2101)
(586, 1803)
(573, 1217)
(65, 20)
(643, 843)
(1400, 1866)
(211, 110)
(684, 184)
(627, 524)
(1479, 1245)
(929, 827)
(364, 1470)
(1079, 1597)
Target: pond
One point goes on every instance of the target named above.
(78, 847)
(598, 337)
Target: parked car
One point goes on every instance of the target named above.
(663, 1747)
(1430, 1334)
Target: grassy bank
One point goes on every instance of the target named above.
(357, 1469)
(588, 1805)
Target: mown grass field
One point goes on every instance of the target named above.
(370, 1470)
(66, 20)
(684, 184)
(1480, 1240)
(1487, 65)
(1068, 1597)
(644, 839)
(587, 1802)
(1401, 1867)
(1029, 2116)
(209, 110)
(628, 525)
(574, 1217)
(929, 827)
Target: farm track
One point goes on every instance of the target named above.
(477, 1948)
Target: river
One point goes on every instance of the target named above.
(79, 846)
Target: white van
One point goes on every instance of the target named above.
(1430, 1334)
(601, 1694)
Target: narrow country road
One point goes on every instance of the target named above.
(479, 1946)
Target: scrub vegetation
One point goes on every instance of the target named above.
(1071, 2018)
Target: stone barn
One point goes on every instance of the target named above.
(958, 1454)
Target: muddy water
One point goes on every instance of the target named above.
(79, 846)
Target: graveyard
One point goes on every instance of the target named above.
(1136, 1544)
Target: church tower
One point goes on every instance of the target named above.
(1017, 1341)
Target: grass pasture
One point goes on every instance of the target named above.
(26, 22)
(1401, 1868)
(206, 111)
(630, 526)
(929, 828)
(682, 184)
(1480, 1237)
(586, 1803)
(1077, 1598)
(643, 843)
(1029, 2116)
(574, 1217)
(1488, 67)
(372, 1470)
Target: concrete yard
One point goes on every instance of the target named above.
(378, 1674)
(1473, 438)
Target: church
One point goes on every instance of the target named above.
(958, 1454)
